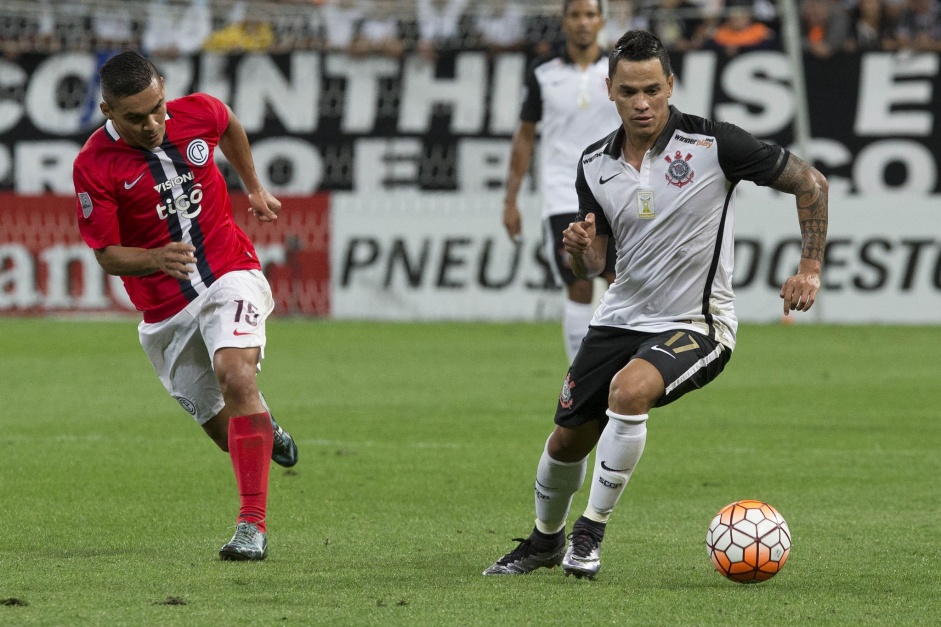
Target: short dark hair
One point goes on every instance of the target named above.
(566, 3)
(126, 74)
(639, 45)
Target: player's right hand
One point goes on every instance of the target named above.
(512, 221)
(176, 259)
(578, 237)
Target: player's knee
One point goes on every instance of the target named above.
(238, 385)
(572, 445)
(631, 397)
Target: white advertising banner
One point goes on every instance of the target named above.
(437, 256)
(446, 256)
(883, 258)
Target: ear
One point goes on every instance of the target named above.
(607, 83)
(106, 110)
(670, 83)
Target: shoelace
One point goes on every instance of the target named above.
(518, 552)
(584, 541)
(244, 534)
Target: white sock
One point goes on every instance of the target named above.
(575, 325)
(556, 483)
(619, 450)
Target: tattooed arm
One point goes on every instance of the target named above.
(810, 189)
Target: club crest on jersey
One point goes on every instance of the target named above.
(565, 398)
(198, 152)
(679, 172)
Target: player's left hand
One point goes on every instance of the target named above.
(577, 238)
(800, 290)
(264, 206)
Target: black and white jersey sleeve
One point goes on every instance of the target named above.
(587, 203)
(531, 111)
(745, 158)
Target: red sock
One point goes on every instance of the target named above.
(250, 439)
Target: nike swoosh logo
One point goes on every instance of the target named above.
(605, 467)
(602, 180)
(237, 332)
(133, 183)
(657, 348)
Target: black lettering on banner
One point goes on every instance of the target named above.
(831, 262)
(449, 259)
(777, 278)
(549, 281)
(866, 256)
(354, 262)
(937, 270)
(485, 257)
(414, 273)
(847, 116)
(752, 248)
(914, 247)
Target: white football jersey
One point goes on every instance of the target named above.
(673, 223)
(572, 108)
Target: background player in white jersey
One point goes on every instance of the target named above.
(662, 186)
(565, 96)
(154, 206)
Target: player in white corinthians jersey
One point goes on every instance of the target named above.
(566, 98)
(662, 187)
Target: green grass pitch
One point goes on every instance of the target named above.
(418, 447)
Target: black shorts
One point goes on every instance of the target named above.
(561, 260)
(686, 360)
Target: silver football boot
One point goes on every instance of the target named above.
(248, 544)
(532, 553)
(583, 558)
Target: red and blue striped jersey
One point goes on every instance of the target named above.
(146, 198)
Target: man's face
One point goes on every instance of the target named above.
(641, 91)
(141, 119)
(582, 22)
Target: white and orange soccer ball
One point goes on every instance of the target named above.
(748, 541)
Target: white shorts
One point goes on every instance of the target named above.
(231, 313)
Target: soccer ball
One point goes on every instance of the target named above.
(748, 541)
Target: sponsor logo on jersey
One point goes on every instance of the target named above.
(705, 142)
(198, 152)
(171, 183)
(588, 160)
(186, 204)
(679, 172)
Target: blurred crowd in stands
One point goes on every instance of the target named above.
(168, 28)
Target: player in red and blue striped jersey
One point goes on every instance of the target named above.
(154, 207)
